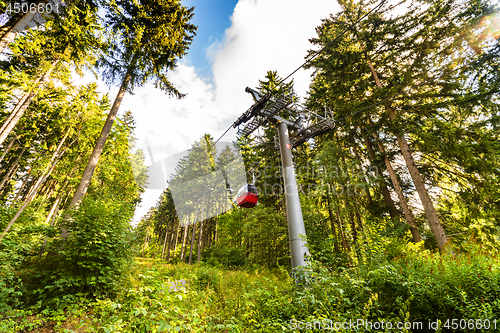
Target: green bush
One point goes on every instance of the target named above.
(415, 286)
(17, 250)
(91, 261)
(228, 257)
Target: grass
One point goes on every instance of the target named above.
(213, 300)
(415, 286)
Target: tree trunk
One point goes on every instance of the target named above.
(430, 210)
(164, 243)
(184, 237)
(12, 168)
(201, 231)
(393, 212)
(192, 243)
(349, 207)
(192, 236)
(345, 243)
(145, 243)
(30, 197)
(360, 168)
(332, 220)
(54, 160)
(23, 104)
(46, 191)
(16, 24)
(55, 206)
(7, 149)
(99, 146)
(52, 210)
(216, 227)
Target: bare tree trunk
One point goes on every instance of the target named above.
(216, 227)
(34, 185)
(350, 211)
(399, 191)
(23, 104)
(25, 181)
(164, 243)
(158, 243)
(184, 237)
(393, 212)
(14, 166)
(54, 160)
(47, 188)
(28, 199)
(430, 210)
(7, 149)
(209, 234)
(192, 237)
(170, 241)
(332, 220)
(201, 231)
(46, 191)
(54, 207)
(17, 23)
(99, 146)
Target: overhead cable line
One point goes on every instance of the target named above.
(391, 97)
(264, 99)
(332, 41)
(481, 58)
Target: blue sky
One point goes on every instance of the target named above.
(212, 17)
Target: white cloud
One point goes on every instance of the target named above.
(170, 125)
(264, 35)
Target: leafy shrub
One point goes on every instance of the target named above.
(18, 248)
(92, 260)
(228, 257)
(207, 277)
(415, 286)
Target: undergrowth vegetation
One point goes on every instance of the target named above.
(415, 286)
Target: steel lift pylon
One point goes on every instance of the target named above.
(267, 108)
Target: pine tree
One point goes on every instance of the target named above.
(149, 39)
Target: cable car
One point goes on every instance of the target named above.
(247, 196)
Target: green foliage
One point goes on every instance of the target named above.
(401, 283)
(17, 250)
(93, 259)
(262, 228)
(147, 39)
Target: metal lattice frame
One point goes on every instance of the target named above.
(308, 124)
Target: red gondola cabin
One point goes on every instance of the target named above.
(247, 196)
